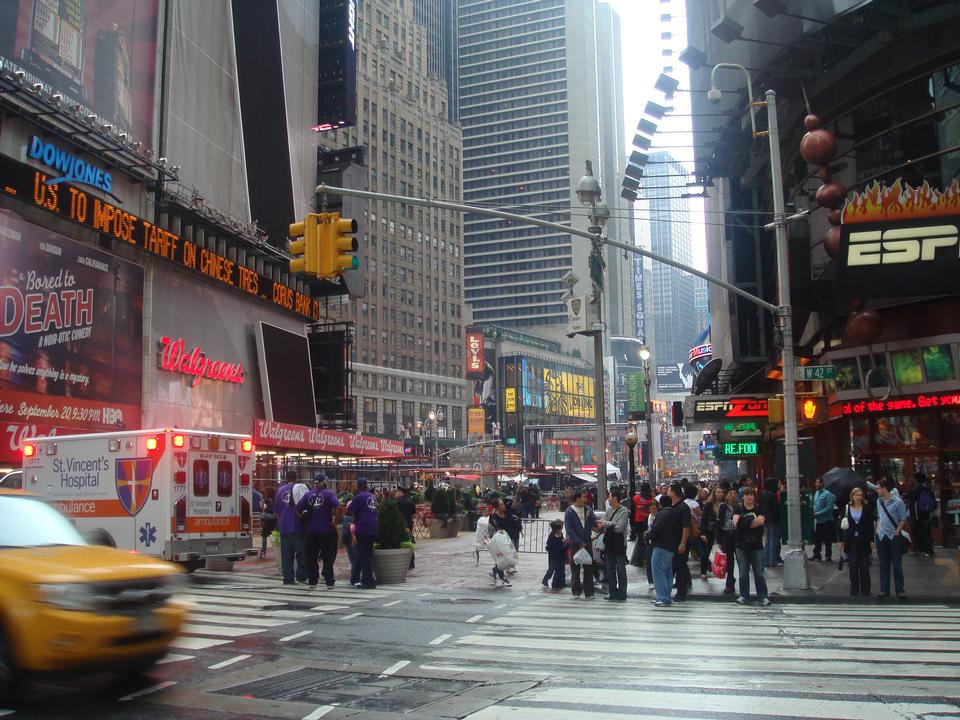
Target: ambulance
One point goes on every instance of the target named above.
(180, 495)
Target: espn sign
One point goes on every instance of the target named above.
(475, 363)
(724, 408)
(909, 257)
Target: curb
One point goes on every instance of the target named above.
(813, 598)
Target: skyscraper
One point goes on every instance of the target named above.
(409, 348)
(529, 107)
(674, 316)
(439, 18)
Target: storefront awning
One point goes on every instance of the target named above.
(267, 433)
(584, 477)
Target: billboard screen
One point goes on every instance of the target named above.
(71, 336)
(99, 54)
(674, 379)
(285, 375)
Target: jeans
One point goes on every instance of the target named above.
(824, 534)
(556, 570)
(890, 551)
(747, 559)
(706, 564)
(681, 567)
(923, 542)
(263, 545)
(362, 570)
(728, 543)
(771, 545)
(575, 569)
(617, 575)
(311, 558)
(661, 561)
(292, 546)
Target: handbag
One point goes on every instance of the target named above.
(583, 557)
(719, 564)
(845, 523)
(903, 533)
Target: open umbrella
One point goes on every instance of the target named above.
(840, 481)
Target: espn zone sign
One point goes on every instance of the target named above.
(910, 257)
(705, 410)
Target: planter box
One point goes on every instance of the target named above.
(390, 566)
(439, 529)
(453, 526)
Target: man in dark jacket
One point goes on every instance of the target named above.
(770, 509)
(579, 521)
(749, 522)
(319, 508)
(669, 536)
(922, 503)
(292, 538)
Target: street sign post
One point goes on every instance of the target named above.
(817, 372)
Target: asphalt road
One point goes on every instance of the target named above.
(256, 649)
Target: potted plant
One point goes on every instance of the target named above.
(440, 509)
(453, 512)
(470, 507)
(392, 550)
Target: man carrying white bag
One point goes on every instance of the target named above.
(500, 545)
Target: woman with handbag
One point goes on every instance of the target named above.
(727, 537)
(857, 532)
(708, 527)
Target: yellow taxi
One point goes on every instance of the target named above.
(66, 604)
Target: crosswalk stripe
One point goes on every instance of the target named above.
(185, 642)
(220, 630)
(174, 657)
(238, 620)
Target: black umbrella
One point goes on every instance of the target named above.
(840, 481)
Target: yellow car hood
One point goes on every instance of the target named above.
(80, 564)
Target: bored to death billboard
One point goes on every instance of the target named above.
(98, 54)
(71, 328)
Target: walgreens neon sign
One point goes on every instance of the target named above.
(917, 402)
(175, 358)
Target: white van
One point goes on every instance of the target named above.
(180, 495)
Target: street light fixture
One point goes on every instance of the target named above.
(645, 357)
(795, 561)
(631, 440)
(588, 192)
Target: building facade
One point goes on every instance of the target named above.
(409, 348)
(529, 107)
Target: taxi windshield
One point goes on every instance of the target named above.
(29, 522)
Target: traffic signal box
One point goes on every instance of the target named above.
(322, 245)
(811, 410)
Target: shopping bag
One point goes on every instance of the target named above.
(583, 557)
(719, 564)
(502, 549)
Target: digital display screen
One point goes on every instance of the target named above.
(286, 376)
(739, 449)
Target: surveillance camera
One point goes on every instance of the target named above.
(714, 95)
(37, 88)
(20, 75)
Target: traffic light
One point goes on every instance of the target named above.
(775, 410)
(304, 248)
(336, 245)
(812, 410)
(676, 413)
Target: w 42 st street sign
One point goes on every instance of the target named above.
(817, 372)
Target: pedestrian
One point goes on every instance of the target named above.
(642, 503)
(770, 509)
(922, 504)
(578, 522)
(709, 528)
(647, 547)
(364, 510)
(750, 522)
(292, 534)
(499, 520)
(321, 507)
(668, 536)
(556, 557)
(347, 538)
(616, 525)
(891, 518)
(824, 533)
(681, 561)
(268, 523)
(727, 534)
(511, 523)
(857, 530)
(408, 509)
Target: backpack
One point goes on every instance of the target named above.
(926, 502)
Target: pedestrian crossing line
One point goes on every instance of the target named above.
(266, 598)
(731, 705)
(440, 639)
(220, 630)
(330, 608)
(240, 620)
(184, 642)
(474, 619)
(147, 691)
(174, 657)
(243, 612)
(351, 616)
(227, 663)
(231, 600)
(391, 604)
(302, 633)
(513, 712)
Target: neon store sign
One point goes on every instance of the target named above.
(917, 402)
(195, 363)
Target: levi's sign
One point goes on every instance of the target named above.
(899, 240)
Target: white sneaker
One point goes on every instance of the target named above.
(742, 601)
(765, 602)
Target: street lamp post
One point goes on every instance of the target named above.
(795, 560)
(645, 357)
(631, 440)
(588, 192)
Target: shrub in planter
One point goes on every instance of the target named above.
(393, 549)
(440, 505)
(429, 493)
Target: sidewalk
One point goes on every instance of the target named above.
(450, 564)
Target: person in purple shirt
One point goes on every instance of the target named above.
(363, 507)
(292, 538)
(319, 507)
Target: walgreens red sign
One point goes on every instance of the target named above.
(174, 357)
(282, 435)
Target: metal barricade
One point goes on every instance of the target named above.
(533, 538)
